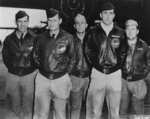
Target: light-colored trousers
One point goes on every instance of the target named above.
(103, 85)
(18, 87)
(46, 90)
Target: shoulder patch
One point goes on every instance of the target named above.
(116, 36)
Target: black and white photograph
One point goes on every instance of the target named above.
(74, 59)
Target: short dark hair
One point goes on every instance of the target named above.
(107, 6)
(52, 12)
(21, 14)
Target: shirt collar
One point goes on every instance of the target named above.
(18, 33)
(107, 28)
(133, 42)
(76, 37)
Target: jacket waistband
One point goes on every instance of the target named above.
(21, 72)
(53, 75)
(133, 78)
(107, 70)
(80, 74)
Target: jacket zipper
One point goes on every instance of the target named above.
(132, 62)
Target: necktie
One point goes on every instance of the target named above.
(53, 35)
(21, 39)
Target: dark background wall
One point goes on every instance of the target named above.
(125, 9)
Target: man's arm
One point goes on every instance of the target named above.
(147, 68)
(72, 55)
(123, 50)
(87, 49)
(36, 52)
(6, 53)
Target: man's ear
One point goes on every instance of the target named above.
(138, 31)
(86, 25)
(15, 22)
(100, 15)
(114, 16)
(60, 21)
(74, 26)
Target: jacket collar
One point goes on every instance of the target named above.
(77, 38)
(137, 43)
(58, 36)
(107, 28)
(28, 32)
(115, 27)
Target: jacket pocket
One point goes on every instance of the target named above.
(140, 89)
(139, 68)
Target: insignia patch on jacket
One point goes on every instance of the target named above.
(116, 36)
(115, 42)
(61, 48)
(30, 48)
(139, 48)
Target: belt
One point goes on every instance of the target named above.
(106, 71)
(53, 75)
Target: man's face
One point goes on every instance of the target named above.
(80, 26)
(22, 24)
(54, 23)
(107, 16)
(131, 32)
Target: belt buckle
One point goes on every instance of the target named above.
(106, 71)
(81, 74)
(51, 76)
(20, 73)
(129, 77)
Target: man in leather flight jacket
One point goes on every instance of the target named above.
(135, 70)
(54, 54)
(80, 75)
(17, 55)
(105, 51)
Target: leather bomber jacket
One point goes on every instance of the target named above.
(140, 64)
(105, 53)
(54, 57)
(19, 60)
(81, 70)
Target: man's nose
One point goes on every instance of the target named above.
(80, 25)
(108, 15)
(130, 31)
(22, 23)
